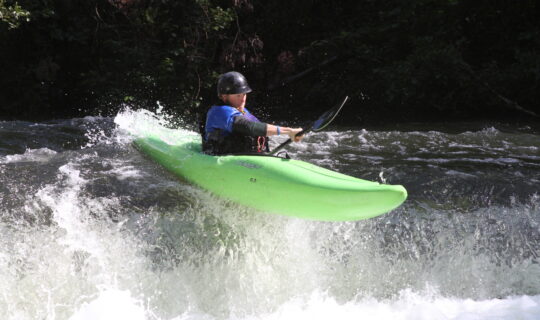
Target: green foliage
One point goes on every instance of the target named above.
(418, 59)
(93, 54)
(13, 14)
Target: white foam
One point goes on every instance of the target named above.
(126, 172)
(30, 155)
(409, 306)
(123, 171)
(499, 161)
(93, 118)
(113, 305)
(140, 123)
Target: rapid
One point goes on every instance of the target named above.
(92, 229)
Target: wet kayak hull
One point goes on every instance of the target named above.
(275, 185)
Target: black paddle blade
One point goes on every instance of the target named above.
(328, 117)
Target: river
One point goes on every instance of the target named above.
(92, 229)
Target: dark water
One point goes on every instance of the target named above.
(91, 229)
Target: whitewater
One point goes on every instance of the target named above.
(92, 229)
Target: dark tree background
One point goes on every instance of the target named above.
(416, 60)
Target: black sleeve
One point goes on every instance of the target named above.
(248, 128)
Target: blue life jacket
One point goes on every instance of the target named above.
(222, 118)
(219, 137)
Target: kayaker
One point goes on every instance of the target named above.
(231, 128)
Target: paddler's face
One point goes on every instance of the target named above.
(237, 101)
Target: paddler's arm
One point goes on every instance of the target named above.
(272, 130)
(251, 128)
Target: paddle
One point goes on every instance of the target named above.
(318, 125)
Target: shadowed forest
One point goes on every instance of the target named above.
(399, 61)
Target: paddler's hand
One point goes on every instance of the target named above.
(293, 132)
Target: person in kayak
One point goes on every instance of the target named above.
(231, 128)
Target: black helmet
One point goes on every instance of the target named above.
(232, 83)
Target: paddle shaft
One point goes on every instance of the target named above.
(286, 143)
(333, 112)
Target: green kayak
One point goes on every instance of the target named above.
(272, 184)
